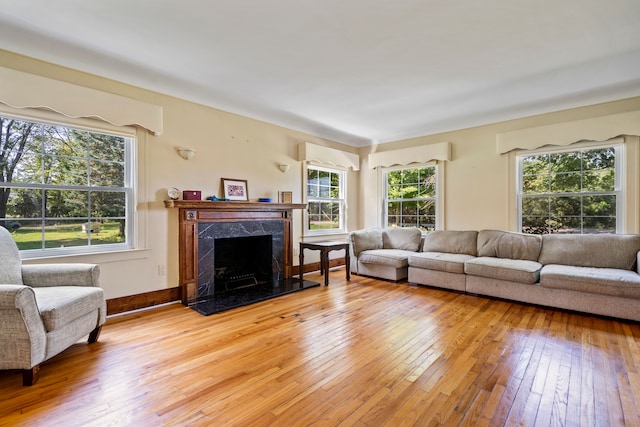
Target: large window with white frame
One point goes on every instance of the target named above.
(325, 200)
(574, 190)
(410, 197)
(65, 189)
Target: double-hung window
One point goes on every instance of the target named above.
(65, 189)
(410, 197)
(571, 190)
(326, 200)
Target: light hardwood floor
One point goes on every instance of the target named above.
(363, 353)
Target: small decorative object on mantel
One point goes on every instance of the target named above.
(217, 199)
(174, 193)
(191, 195)
(285, 196)
(265, 199)
(235, 189)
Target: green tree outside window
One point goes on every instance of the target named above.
(62, 187)
(569, 192)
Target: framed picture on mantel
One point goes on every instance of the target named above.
(285, 196)
(235, 189)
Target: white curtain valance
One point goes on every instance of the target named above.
(24, 90)
(405, 156)
(595, 129)
(328, 156)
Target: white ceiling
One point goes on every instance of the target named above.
(354, 71)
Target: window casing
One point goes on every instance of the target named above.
(325, 200)
(410, 197)
(575, 190)
(68, 189)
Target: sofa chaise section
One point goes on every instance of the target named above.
(383, 253)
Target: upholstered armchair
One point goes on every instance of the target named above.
(44, 309)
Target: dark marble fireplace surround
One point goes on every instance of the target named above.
(215, 294)
(208, 233)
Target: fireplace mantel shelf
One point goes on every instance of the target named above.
(232, 206)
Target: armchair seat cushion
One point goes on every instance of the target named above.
(60, 305)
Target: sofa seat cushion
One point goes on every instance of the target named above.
(604, 281)
(396, 258)
(512, 270)
(61, 305)
(451, 263)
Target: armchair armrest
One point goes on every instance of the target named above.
(22, 336)
(76, 274)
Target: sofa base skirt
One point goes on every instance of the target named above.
(604, 305)
(381, 271)
(438, 279)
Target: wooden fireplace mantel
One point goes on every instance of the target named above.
(193, 212)
(233, 206)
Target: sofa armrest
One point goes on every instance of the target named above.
(76, 274)
(638, 263)
(22, 335)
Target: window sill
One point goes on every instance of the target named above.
(326, 234)
(93, 257)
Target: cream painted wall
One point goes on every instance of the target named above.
(476, 190)
(477, 193)
(227, 145)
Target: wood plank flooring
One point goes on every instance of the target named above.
(362, 353)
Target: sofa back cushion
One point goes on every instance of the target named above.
(364, 240)
(407, 239)
(10, 264)
(451, 242)
(506, 244)
(591, 250)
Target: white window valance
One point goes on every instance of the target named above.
(25, 90)
(594, 129)
(327, 156)
(405, 156)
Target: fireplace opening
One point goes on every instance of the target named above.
(242, 262)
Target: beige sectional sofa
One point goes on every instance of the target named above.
(596, 274)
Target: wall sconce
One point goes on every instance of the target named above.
(186, 153)
(283, 167)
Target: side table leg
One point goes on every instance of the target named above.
(347, 262)
(325, 261)
(301, 266)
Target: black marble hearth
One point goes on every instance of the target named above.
(250, 295)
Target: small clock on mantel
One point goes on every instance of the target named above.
(174, 193)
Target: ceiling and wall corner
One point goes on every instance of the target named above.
(362, 72)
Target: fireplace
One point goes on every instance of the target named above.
(242, 262)
(234, 253)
